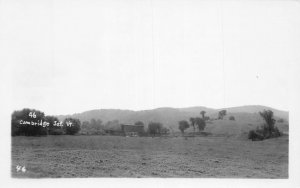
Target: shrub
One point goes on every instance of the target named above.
(154, 128)
(232, 118)
(183, 125)
(193, 122)
(268, 130)
(221, 114)
(73, 128)
(203, 114)
(53, 129)
(200, 123)
(253, 135)
(267, 115)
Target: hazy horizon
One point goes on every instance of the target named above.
(165, 107)
(69, 56)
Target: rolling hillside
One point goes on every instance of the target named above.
(246, 117)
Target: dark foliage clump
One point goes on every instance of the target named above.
(154, 128)
(71, 126)
(232, 118)
(54, 127)
(28, 122)
(268, 130)
(221, 114)
(183, 125)
(200, 123)
(263, 133)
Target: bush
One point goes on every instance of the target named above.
(254, 136)
(53, 129)
(200, 123)
(232, 118)
(221, 114)
(183, 125)
(263, 133)
(73, 128)
(154, 128)
(268, 130)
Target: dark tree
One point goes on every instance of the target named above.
(55, 126)
(71, 126)
(183, 124)
(268, 130)
(28, 122)
(154, 128)
(200, 123)
(222, 113)
(267, 115)
(203, 114)
(193, 122)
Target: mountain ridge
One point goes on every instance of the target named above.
(183, 108)
(169, 116)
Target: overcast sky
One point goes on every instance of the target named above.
(75, 55)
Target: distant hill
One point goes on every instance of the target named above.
(246, 117)
(258, 108)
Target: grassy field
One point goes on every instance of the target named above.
(113, 156)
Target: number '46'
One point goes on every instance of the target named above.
(20, 168)
(32, 114)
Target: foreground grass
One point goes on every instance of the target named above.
(113, 156)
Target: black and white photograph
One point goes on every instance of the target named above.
(165, 89)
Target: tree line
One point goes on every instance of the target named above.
(97, 127)
(23, 123)
(195, 122)
(200, 122)
(92, 127)
(31, 122)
